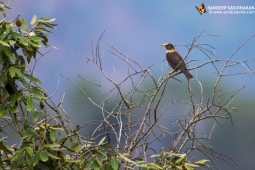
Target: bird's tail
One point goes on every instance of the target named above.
(187, 74)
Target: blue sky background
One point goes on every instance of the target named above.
(136, 28)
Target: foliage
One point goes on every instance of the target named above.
(40, 146)
(48, 141)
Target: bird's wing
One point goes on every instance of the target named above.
(174, 58)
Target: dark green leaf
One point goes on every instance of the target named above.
(114, 163)
(47, 20)
(24, 24)
(3, 11)
(30, 103)
(33, 20)
(1, 55)
(29, 134)
(12, 71)
(35, 43)
(24, 41)
(4, 43)
(25, 122)
(102, 152)
(18, 73)
(109, 166)
(35, 38)
(16, 34)
(51, 155)
(14, 109)
(18, 23)
(52, 146)
(43, 156)
(52, 136)
(188, 167)
(95, 165)
(22, 62)
(11, 42)
(35, 115)
(49, 25)
(8, 52)
(6, 33)
(14, 98)
(3, 111)
(4, 148)
(17, 154)
(29, 150)
(36, 158)
(33, 79)
(41, 104)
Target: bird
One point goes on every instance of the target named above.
(201, 9)
(175, 60)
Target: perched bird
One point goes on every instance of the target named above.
(175, 60)
(201, 9)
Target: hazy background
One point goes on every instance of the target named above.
(136, 28)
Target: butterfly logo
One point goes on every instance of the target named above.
(201, 9)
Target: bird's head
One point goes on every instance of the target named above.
(168, 46)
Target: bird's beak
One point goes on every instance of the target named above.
(163, 45)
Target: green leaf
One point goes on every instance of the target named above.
(35, 43)
(24, 24)
(43, 156)
(30, 103)
(8, 52)
(24, 41)
(18, 23)
(18, 72)
(1, 55)
(102, 152)
(25, 122)
(18, 153)
(52, 146)
(22, 62)
(29, 134)
(125, 158)
(35, 38)
(12, 71)
(33, 79)
(95, 165)
(29, 150)
(3, 111)
(6, 33)
(154, 166)
(41, 104)
(51, 155)
(4, 43)
(16, 34)
(155, 155)
(14, 109)
(47, 19)
(35, 115)
(14, 98)
(188, 167)
(4, 148)
(50, 25)
(36, 158)
(101, 141)
(11, 42)
(201, 162)
(52, 136)
(114, 163)
(3, 11)
(191, 165)
(33, 20)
